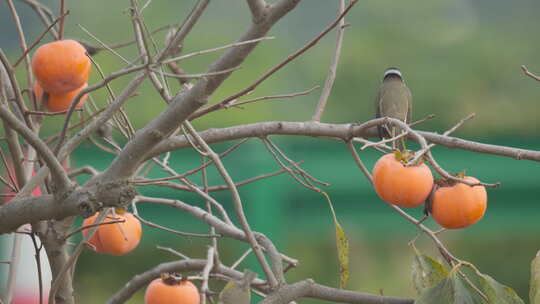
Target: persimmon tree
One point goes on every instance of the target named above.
(51, 212)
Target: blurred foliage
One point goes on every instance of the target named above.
(457, 57)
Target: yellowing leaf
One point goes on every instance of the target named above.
(342, 244)
(343, 255)
(534, 292)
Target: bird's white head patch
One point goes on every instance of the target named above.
(392, 71)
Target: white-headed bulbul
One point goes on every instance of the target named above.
(393, 100)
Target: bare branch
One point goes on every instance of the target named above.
(420, 153)
(212, 188)
(335, 132)
(188, 101)
(258, 10)
(38, 40)
(15, 87)
(526, 72)
(181, 233)
(184, 29)
(210, 254)
(44, 13)
(238, 206)
(183, 57)
(62, 19)
(421, 121)
(110, 111)
(59, 176)
(274, 69)
(310, 289)
(291, 95)
(359, 162)
(22, 43)
(329, 83)
(201, 75)
(83, 170)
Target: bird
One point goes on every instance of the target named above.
(238, 292)
(393, 100)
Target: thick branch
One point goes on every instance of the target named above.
(84, 202)
(141, 280)
(310, 289)
(258, 10)
(190, 100)
(59, 176)
(334, 131)
(284, 295)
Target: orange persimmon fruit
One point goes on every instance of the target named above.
(118, 238)
(60, 102)
(401, 185)
(457, 205)
(171, 289)
(61, 66)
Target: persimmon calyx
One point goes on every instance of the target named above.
(404, 157)
(172, 279)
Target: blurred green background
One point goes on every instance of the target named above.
(458, 57)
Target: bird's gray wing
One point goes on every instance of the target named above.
(381, 130)
(378, 104)
(409, 103)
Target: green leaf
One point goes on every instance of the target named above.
(534, 292)
(343, 255)
(450, 290)
(426, 272)
(494, 291)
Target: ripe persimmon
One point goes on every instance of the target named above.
(60, 102)
(456, 205)
(171, 289)
(61, 66)
(401, 185)
(118, 238)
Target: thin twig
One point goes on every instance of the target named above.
(274, 69)
(44, 13)
(59, 176)
(193, 171)
(212, 188)
(421, 121)
(201, 75)
(384, 141)
(38, 40)
(88, 89)
(103, 45)
(22, 42)
(170, 250)
(291, 95)
(19, 101)
(330, 78)
(526, 71)
(210, 254)
(359, 162)
(241, 258)
(181, 233)
(55, 285)
(237, 205)
(183, 57)
(95, 224)
(62, 20)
